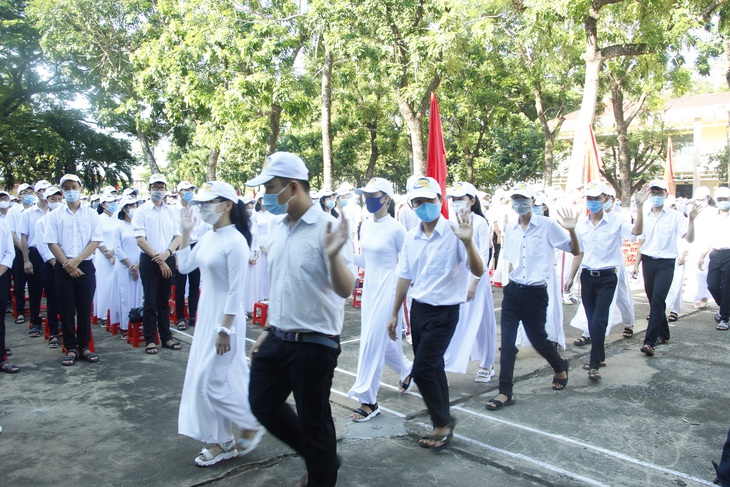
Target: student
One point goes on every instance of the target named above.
(528, 249)
(7, 254)
(381, 240)
(54, 196)
(215, 394)
(662, 227)
(432, 265)
(104, 258)
(718, 273)
(20, 278)
(601, 236)
(157, 229)
(73, 234)
(263, 222)
(186, 190)
(309, 264)
(126, 268)
(251, 284)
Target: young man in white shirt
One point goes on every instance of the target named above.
(73, 234)
(157, 229)
(7, 254)
(529, 245)
(186, 191)
(54, 197)
(431, 266)
(310, 264)
(27, 199)
(718, 272)
(601, 236)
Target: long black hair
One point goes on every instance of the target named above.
(121, 213)
(239, 217)
(332, 211)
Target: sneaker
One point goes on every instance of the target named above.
(484, 375)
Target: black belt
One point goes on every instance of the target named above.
(331, 341)
(526, 286)
(600, 272)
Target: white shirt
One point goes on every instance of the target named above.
(158, 225)
(407, 217)
(721, 234)
(28, 219)
(531, 251)
(601, 244)
(434, 265)
(661, 233)
(40, 230)
(302, 297)
(13, 218)
(7, 248)
(73, 231)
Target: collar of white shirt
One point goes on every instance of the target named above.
(440, 228)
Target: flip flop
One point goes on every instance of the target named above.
(173, 345)
(9, 368)
(153, 350)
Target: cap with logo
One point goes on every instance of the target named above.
(183, 185)
(658, 183)
(522, 189)
(424, 187)
(376, 185)
(41, 185)
(51, 190)
(282, 165)
(215, 189)
(462, 189)
(69, 177)
(157, 178)
(595, 188)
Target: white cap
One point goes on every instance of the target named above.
(314, 195)
(22, 187)
(540, 199)
(108, 189)
(94, 197)
(130, 191)
(215, 189)
(51, 190)
(325, 192)
(376, 185)
(702, 193)
(69, 177)
(423, 187)
(157, 178)
(183, 185)
(610, 191)
(41, 185)
(247, 198)
(4, 193)
(462, 189)
(345, 188)
(128, 200)
(658, 183)
(283, 165)
(722, 192)
(108, 198)
(595, 188)
(522, 189)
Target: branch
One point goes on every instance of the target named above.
(619, 50)
(707, 13)
(426, 100)
(637, 108)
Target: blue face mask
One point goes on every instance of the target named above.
(329, 204)
(537, 210)
(72, 196)
(657, 201)
(428, 212)
(522, 206)
(112, 207)
(373, 204)
(29, 199)
(594, 206)
(188, 196)
(608, 205)
(343, 203)
(271, 202)
(724, 205)
(157, 195)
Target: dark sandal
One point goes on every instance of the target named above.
(9, 368)
(151, 350)
(123, 334)
(406, 387)
(54, 342)
(593, 374)
(673, 317)
(89, 356)
(628, 332)
(70, 358)
(20, 320)
(587, 366)
(172, 345)
(8, 352)
(561, 382)
(497, 404)
(182, 325)
(582, 341)
(647, 349)
(34, 332)
(442, 440)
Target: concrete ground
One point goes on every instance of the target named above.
(650, 421)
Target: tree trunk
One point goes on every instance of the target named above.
(415, 132)
(374, 151)
(469, 157)
(212, 164)
(594, 60)
(274, 128)
(549, 136)
(149, 155)
(327, 156)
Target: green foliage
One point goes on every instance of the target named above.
(718, 163)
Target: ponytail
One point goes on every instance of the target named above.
(477, 207)
(239, 217)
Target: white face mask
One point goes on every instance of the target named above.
(4, 204)
(250, 212)
(54, 205)
(208, 214)
(458, 205)
(131, 211)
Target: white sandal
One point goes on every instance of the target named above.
(484, 375)
(247, 445)
(206, 457)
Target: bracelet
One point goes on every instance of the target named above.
(477, 277)
(223, 329)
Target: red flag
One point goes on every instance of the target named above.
(592, 171)
(436, 155)
(669, 167)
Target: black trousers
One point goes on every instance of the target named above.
(723, 471)
(431, 330)
(193, 294)
(718, 280)
(19, 280)
(156, 290)
(597, 295)
(304, 369)
(529, 305)
(658, 276)
(35, 287)
(4, 288)
(49, 284)
(75, 297)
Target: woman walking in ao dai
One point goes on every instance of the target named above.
(381, 240)
(214, 407)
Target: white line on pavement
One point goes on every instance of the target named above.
(382, 384)
(583, 444)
